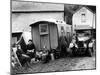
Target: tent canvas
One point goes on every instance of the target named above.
(23, 41)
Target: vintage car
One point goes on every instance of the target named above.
(82, 43)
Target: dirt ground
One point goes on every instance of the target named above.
(62, 64)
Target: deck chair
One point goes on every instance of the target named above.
(14, 50)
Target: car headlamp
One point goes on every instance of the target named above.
(91, 44)
(85, 45)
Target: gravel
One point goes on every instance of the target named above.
(62, 64)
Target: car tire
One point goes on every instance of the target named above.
(69, 52)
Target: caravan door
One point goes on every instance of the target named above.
(44, 36)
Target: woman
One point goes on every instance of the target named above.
(23, 58)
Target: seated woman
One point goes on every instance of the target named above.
(23, 58)
(38, 56)
(31, 49)
(45, 55)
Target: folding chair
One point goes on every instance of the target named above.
(14, 50)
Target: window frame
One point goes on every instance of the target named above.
(40, 27)
(83, 17)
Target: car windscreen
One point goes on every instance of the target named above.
(83, 33)
(83, 36)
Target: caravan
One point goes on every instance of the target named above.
(47, 33)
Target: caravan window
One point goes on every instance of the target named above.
(83, 14)
(43, 28)
(62, 28)
(83, 17)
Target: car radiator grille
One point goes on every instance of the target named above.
(80, 44)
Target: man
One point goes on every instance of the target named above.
(63, 44)
(23, 58)
(31, 49)
(73, 46)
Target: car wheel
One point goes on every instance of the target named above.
(69, 52)
(93, 49)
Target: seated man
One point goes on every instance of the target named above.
(31, 49)
(73, 46)
(23, 58)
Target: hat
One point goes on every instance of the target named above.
(30, 40)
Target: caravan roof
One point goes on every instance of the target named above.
(50, 20)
